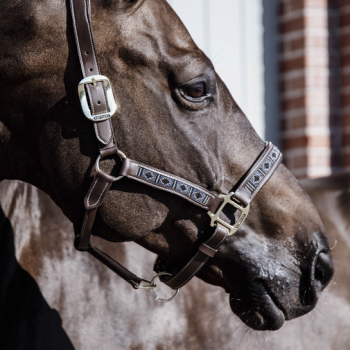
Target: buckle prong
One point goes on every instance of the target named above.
(227, 200)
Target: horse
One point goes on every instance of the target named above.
(174, 114)
(44, 281)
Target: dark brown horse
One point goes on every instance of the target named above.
(274, 267)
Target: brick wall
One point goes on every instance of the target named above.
(345, 81)
(305, 98)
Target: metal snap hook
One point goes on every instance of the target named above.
(150, 285)
(155, 295)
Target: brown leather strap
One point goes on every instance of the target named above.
(119, 269)
(197, 262)
(89, 65)
(98, 190)
(170, 183)
(259, 173)
(93, 199)
(207, 250)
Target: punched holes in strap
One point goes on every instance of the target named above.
(89, 65)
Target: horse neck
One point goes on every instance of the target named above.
(33, 67)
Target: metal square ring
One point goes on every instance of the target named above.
(227, 200)
(93, 79)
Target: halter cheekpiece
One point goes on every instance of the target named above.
(99, 107)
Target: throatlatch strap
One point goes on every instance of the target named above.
(89, 66)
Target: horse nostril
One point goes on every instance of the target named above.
(324, 270)
(317, 276)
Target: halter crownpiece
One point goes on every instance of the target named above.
(99, 107)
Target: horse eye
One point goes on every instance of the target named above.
(194, 90)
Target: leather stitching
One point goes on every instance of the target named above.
(104, 94)
(100, 137)
(77, 39)
(90, 35)
(91, 192)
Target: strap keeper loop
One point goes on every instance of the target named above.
(207, 250)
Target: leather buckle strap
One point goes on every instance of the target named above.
(111, 105)
(101, 98)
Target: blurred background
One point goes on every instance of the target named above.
(287, 64)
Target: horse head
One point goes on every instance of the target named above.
(175, 114)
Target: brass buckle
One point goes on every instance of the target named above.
(93, 79)
(215, 217)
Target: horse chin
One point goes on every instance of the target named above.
(258, 309)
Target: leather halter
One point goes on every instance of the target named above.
(99, 107)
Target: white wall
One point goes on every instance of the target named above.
(230, 32)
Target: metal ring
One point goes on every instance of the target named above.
(151, 285)
(155, 295)
(120, 154)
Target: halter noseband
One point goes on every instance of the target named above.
(99, 109)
